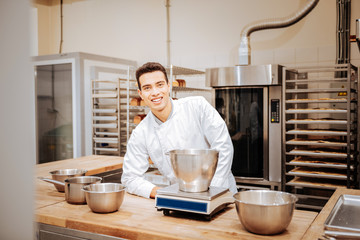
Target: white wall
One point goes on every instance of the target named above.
(17, 122)
(204, 33)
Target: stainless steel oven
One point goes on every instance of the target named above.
(248, 98)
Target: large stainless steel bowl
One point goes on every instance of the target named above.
(62, 174)
(104, 197)
(194, 168)
(265, 211)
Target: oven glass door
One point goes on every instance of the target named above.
(243, 111)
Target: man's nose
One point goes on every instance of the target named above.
(155, 91)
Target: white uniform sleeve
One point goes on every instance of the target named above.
(217, 134)
(135, 165)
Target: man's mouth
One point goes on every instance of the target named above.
(156, 100)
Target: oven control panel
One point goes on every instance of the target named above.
(275, 111)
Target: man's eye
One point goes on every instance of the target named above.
(146, 88)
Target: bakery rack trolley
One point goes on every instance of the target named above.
(106, 117)
(320, 132)
(109, 107)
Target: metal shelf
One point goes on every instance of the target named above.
(190, 89)
(105, 116)
(312, 80)
(317, 90)
(174, 70)
(312, 159)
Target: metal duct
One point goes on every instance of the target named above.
(343, 8)
(358, 32)
(244, 49)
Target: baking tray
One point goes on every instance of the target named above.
(104, 118)
(309, 164)
(323, 143)
(105, 125)
(316, 110)
(106, 149)
(329, 100)
(341, 235)
(314, 174)
(315, 90)
(104, 110)
(104, 95)
(319, 183)
(105, 140)
(317, 132)
(316, 121)
(316, 154)
(345, 215)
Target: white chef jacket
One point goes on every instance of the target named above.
(193, 124)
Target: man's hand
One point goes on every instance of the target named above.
(153, 192)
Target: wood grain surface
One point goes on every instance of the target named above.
(138, 218)
(46, 194)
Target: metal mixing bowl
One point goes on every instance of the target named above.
(265, 211)
(74, 185)
(194, 168)
(104, 197)
(62, 174)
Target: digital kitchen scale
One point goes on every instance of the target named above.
(205, 203)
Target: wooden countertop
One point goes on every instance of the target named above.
(46, 194)
(316, 229)
(138, 218)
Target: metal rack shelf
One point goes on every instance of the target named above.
(105, 117)
(190, 89)
(320, 137)
(174, 71)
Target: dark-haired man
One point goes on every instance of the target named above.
(187, 123)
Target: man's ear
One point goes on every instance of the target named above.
(140, 93)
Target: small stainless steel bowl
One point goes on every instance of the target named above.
(265, 211)
(104, 197)
(194, 168)
(74, 185)
(62, 174)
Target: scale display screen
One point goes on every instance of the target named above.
(181, 205)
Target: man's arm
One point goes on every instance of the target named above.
(217, 134)
(135, 165)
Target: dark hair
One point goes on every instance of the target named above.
(148, 68)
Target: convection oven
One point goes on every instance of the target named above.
(248, 98)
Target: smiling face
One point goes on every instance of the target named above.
(155, 93)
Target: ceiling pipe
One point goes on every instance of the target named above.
(168, 41)
(245, 50)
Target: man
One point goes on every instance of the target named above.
(187, 123)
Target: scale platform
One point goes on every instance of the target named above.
(205, 203)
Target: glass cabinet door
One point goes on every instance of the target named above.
(242, 109)
(54, 112)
